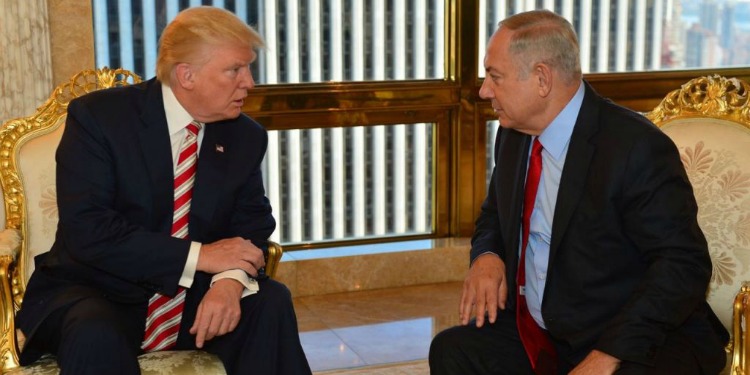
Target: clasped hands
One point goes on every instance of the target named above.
(219, 311)
(485, 290)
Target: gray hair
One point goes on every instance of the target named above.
(541, 36)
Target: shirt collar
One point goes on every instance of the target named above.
(177, 116)
(556, 136)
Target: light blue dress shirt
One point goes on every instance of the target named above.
(555, 140)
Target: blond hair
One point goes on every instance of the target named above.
(185, 38)
(541, 36)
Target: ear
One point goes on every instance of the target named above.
(544, 78)
(185, 76)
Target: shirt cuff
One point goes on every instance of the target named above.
(486, 252)
(250, 284)
(188, 273)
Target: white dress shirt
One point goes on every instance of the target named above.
(177, 119)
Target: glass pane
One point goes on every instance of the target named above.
(642, 35)
(350, 183)
(307, 40)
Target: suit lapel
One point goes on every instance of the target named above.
(210, 173)
(156, 150)
(512, 158)
(577, 161)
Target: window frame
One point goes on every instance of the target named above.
(452, 104)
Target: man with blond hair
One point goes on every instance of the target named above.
(587, 257)
(164, 220)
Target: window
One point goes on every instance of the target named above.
(643, 35)
(350, 183)
(325, 184)
(307, 41)
(372, 106)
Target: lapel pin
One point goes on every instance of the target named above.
(219, 148)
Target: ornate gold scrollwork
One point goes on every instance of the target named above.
(709, 96)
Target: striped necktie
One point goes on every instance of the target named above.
(165, 313)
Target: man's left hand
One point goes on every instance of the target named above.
(597, 363)
(219, 311)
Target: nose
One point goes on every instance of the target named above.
(484, 90)
(247, 81)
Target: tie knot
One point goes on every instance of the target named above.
(193, 128)
(536, 148)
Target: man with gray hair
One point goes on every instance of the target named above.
(164, 219)
(587, 256)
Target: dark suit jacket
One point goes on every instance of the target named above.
(115, 200)
(628, 263)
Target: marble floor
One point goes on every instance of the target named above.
(375, 328)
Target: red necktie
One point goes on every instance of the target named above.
(165, 313)
(538, 345)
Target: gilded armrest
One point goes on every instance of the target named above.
(274, 257)
(10, 243)
(740, 339)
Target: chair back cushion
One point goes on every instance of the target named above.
(709, 121)
(37, 172)
(27, 165)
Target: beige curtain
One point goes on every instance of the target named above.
(25, 61)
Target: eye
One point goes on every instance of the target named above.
(233, 71)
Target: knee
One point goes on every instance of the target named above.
(275, 293)
(96, 325)
(92, 332)
(445, 343)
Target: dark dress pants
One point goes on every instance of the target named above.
(496, 349)
(266, 340)
(97, 336)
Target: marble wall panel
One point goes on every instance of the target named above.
(25, 65)
(446, 261)
(71, 27)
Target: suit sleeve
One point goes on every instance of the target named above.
(252, 217)
(94, 233)
(487, 237)
(659, 216)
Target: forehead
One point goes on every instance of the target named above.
(230, 53)
(497, 48)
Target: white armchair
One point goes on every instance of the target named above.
(709, 120)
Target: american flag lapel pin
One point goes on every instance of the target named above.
(219, 148)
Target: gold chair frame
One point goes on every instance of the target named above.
(13, 135)
(726, 99)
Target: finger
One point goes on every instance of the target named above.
(502, 294)
(467, 302)
(492, 301)
(198, 314)
(227, 325)
(245, 265)
(481, 307)
(203, 325)
(250, 268)
(256, 259)
(214, 327)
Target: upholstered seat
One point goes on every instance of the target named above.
(709, 120)
(27, 174)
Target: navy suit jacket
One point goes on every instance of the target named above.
(115, 201)
(628, 263)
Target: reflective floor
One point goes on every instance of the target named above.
(366, 328)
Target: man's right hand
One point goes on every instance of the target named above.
(230, 253)
(485, 289)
